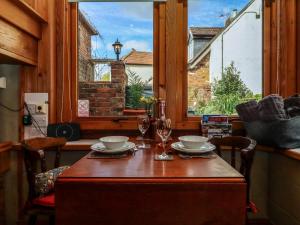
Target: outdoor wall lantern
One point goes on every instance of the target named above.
(117, 48)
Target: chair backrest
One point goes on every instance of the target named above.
(245, 146)
(34, 152)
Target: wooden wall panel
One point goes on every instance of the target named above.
(280, 41)
(30, 2)
(42, 7)
(51, 60)
(287, 47)
(29, 79)
(17, 42)
(271, 46)
(63, 69)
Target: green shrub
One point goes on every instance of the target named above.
(227, 92)
(135, 90)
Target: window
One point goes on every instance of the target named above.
(111, 83)
(225, 55)
(184, 68)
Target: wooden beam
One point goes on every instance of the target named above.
(274, 75)
(15, 15)
(37, 10)
(298, 46)
(7, 57)
(18, 44)
(171, 57)
(63, 69)
(267, 49)
(181, 61)
(51, 63)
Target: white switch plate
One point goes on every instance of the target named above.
(2, 82)
(31, 108)
(40, 119)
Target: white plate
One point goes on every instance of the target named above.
(99, 147)
(207, 147)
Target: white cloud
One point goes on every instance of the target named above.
(141, 31)
(137, 45)
(109, 47)
(96, 44)
(128, 45)
(141, 10)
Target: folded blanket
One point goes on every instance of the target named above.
(271, 108)
(292, 105)
(248, 111)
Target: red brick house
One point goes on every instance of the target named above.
(199, 89)
(85, 30)
(139, 62)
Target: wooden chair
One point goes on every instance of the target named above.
(246, 146)
(34, 153)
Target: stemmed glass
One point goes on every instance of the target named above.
(164, 131)
(143, 125)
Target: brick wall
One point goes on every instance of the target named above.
(106, 98)
(85, 66)
(198, 83)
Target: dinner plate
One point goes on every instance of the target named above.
(99, 147)
(207, 147)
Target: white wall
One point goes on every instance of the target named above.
(242, 44)
(145, 71)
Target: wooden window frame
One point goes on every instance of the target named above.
(101, 122)
(170, 67)
(194, 120)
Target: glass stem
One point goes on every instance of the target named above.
(143, 142)
(164, 154)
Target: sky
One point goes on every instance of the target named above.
(132, 22)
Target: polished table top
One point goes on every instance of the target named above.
(143, 167)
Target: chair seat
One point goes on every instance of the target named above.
(47, 201)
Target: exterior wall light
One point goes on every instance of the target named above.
(117, 48)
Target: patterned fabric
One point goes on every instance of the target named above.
(271, 108)
(248, 111)
(44, 182)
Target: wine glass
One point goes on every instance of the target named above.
(143, 125)
(164, 131)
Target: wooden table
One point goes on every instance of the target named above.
(137, 190)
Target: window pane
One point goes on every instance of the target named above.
(224, 54)
(115, 60)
